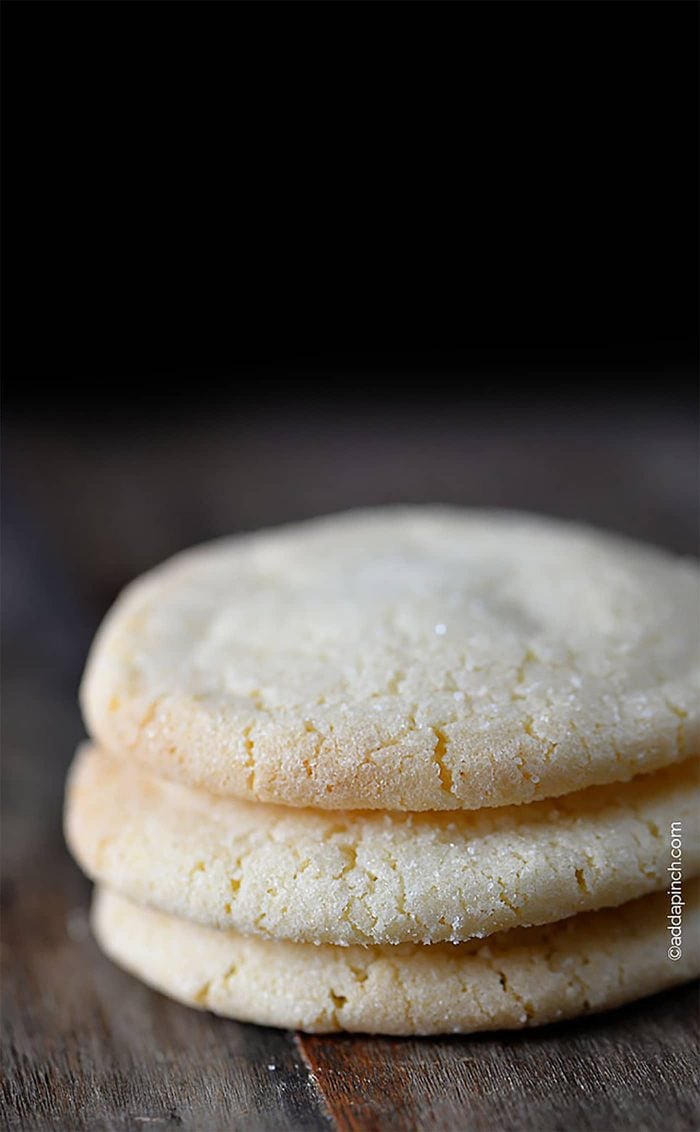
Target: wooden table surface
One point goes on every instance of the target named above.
(87, 1047)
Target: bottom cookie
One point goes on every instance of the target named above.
(523, 977)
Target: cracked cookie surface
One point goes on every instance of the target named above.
(369, 878)
(405, 658)
(588, 963)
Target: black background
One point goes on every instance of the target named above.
(267, 201)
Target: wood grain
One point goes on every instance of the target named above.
(87, 1047)
(631, 1069)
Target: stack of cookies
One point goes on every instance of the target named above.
(406, 771)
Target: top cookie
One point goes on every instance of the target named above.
(406, 658)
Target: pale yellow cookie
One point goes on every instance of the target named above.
(521, 978)
(404, 658)
(365, 877)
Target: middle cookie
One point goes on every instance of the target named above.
(371, 877)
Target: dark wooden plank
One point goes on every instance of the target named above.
(87, 1046)
(122, 498)
(84, 1045)
(635, 1068)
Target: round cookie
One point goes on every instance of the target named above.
(368, 878)
(526, 977)
(403, 658)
